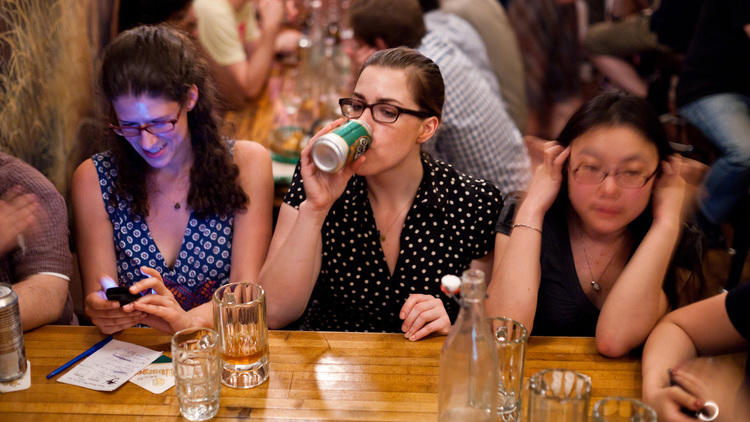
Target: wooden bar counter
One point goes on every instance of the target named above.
(314, 376)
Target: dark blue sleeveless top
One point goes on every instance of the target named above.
(203, 262)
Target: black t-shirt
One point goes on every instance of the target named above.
(450, 223)
(674, 22)
(738, 309)
(562, 307)
(718, 60)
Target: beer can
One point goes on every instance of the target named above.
(343, 145)
(12, 351)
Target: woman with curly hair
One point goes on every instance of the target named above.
(171, 205)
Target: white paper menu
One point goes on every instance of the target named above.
(110, 367)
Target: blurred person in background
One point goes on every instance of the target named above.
(171, 205)
(34, 253)
(714, 95)
(491, 22)
(476, 134)
(240, 47)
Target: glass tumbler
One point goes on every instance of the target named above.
(622, 409)
(510, 340)
(240, 320)
(559, 395)
(195, 356)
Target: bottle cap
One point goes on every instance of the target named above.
(450, 284)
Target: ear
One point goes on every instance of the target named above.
(428, 128)
(192, 97)
(380, 44)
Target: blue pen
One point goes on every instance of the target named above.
(88, 352)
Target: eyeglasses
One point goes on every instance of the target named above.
(381, 112)
(592, 175)
(153, 128)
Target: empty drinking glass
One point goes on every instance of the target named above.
(510, 339)
(622, 409)
(195, 356)
(559, 395)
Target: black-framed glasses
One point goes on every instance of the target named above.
(381, 112)
(154, 128)
(629, 179)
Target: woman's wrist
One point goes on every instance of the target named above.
(529, 216)
(313, 211)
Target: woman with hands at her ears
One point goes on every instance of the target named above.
(171, 206)
(364, 249)
(593, 239)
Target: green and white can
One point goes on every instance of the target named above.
(337, 148)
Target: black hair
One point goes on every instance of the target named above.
(159, 61)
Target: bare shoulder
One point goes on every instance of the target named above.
(85, 178)
(251, 153)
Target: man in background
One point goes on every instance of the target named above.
(476, 134)
(34, 253)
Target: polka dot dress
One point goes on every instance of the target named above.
(450, 223)
(203, 262)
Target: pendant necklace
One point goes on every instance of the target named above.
(595, 281)
(390, 226)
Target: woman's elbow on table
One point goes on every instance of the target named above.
(612, 345)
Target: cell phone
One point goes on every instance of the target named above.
(121, 294)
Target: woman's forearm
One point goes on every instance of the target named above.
(293, 264)
(515, 280)
(666, 347)
(637, 300)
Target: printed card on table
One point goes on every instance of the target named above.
(157, 377)
(110, 367)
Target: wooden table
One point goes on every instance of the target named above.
(314, 376)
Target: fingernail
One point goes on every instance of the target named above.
(698, 404)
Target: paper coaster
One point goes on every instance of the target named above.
(156, 378)
(18, 384)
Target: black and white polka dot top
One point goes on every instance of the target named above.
(450, 223)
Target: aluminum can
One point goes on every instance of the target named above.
(343, 145)
(12, 351)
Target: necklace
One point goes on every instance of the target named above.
(382, 234)
(595, 281)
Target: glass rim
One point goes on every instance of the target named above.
(600, 402)
(524, 332)
(231, 286)
(585, 394)
(214, 334)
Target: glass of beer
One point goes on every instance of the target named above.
(240, 320)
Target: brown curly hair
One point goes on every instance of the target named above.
(160, 61)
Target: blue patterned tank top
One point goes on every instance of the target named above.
(203, 262)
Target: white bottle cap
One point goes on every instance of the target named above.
(451, 283)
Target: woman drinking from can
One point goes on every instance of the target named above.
(364, 248)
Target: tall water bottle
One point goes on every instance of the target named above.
(468, 362)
